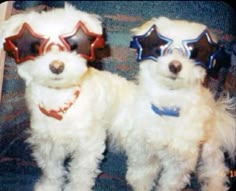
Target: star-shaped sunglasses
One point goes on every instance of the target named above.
(26, 45)
(152, 45)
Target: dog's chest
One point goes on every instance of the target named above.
(178, 111)
(173, 100)
(56, 108)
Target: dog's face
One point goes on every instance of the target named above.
(52, 48)
(173, 53)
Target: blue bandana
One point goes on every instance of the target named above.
(168, 111)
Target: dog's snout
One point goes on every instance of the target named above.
(175, 66)
(57, 66)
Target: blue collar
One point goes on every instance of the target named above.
(168, 111)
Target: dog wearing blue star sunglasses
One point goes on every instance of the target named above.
(70, 103)
(177, 127)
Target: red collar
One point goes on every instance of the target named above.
(57, 113)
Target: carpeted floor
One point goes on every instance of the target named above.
(18, 172)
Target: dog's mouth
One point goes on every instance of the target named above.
(57, 78)
(56, 83)
(172, 77)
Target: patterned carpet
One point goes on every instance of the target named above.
(18, 172)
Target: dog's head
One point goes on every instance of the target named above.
(52, 48)
(174, 53)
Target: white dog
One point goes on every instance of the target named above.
(70, 103)
(174, 120)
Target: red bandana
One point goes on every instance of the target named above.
(57, 113)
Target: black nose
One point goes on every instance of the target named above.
(175, 66)
(57, 67)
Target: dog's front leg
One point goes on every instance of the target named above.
(142, 171)
(212, 171)
(83, 168)
(50, 159)
(177, 169)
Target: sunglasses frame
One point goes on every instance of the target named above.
(11, 48)
(166, 49)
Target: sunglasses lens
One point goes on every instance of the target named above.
(81, 43)
(152, 45)
(201, 50)
(27, 45)
(149, 45)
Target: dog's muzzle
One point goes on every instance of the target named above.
(152, 45)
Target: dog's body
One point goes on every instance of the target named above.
(175, 120)
(70, 103)
(81, 134)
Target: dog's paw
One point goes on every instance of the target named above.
(47, 185)
(73, 187)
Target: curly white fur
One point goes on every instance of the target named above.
(171, 146)
(81, 132)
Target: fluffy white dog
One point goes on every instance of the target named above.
(70, 103)
(175, 120)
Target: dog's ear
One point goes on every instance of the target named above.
(160, 21)
(24, 70)
(214, 37)
(200, 74)
(144, 27)
(10, 27)
(93, 22)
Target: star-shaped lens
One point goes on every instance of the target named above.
(82, 41)
(26, 45)
(150, 45)
(202, 49)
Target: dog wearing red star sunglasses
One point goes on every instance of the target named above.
(70, 103)
(176, 123)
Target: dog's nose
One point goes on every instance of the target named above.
(175, 66)
(57, 66)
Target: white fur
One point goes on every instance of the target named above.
(82, 131)
(171, 146)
